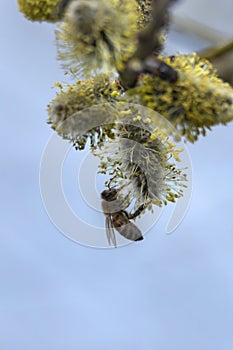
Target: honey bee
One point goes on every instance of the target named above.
(119, 219)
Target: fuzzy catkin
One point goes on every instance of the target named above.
(40, 10)
(197, 101)
(142, 157)
(84, 110)
(97, 36)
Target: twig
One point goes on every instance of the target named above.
(190, 26)
(148, 42)
(221, 57)
(216, 51)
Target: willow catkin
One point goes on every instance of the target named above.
(72, 113)
(142, 158)
(41, 10)
(97, 35)
(197, 101)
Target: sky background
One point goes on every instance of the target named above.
(170, 292)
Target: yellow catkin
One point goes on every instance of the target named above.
(68, 115)
(193, 104)
(40, 10)
(97, 35)
(73, 98)
(142, 158)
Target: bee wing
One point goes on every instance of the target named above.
(110, 232)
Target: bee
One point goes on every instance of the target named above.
(118, 218)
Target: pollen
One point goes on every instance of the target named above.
(115, 94)
(137, 118)
(153, 137)
(144, 10)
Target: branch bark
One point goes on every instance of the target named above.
(149, 42)
(222, 59)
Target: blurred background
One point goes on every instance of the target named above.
(170, 292)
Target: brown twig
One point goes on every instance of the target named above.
(149, 41)
(62, 7)
(221, 57)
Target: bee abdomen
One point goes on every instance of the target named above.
(139, 239)
(126, 228)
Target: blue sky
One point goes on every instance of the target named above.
(168, 292)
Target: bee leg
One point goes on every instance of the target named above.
(126, 213)
(109, 182)
(137, 212)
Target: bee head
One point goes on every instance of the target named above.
(109, 195)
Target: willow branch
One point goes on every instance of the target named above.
(221, 57)
(149, 41)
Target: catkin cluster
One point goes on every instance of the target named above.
(92, 36)
(95, 41)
